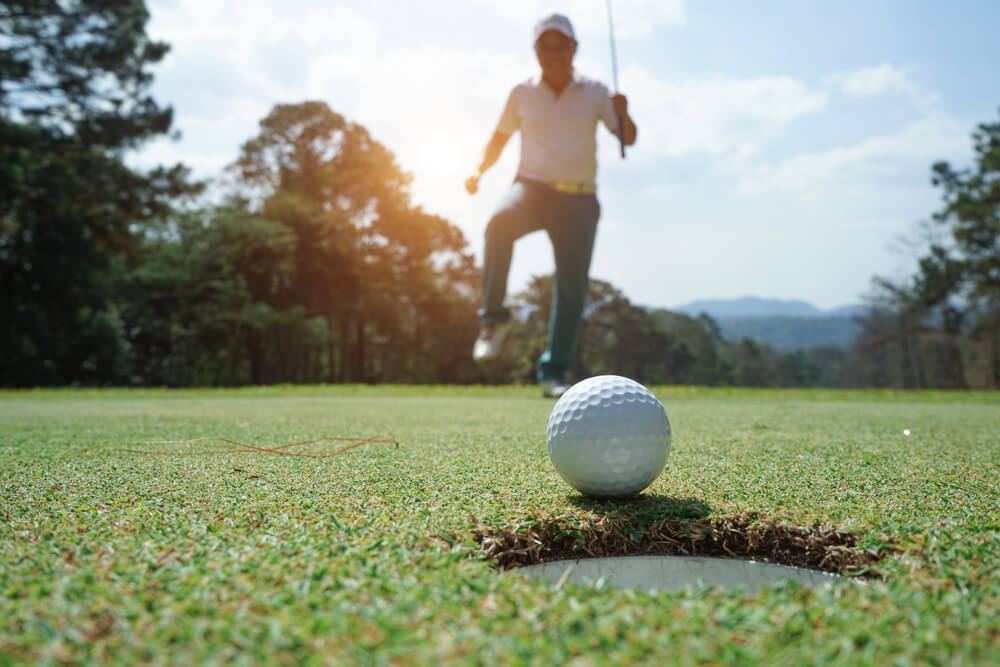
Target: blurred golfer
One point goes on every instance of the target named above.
(557, 114)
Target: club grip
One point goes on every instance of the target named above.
(621, 135)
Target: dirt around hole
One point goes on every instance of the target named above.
(744, 536)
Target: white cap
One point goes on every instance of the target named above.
(556, 22)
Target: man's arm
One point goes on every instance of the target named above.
(490, 157)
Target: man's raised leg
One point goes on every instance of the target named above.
(519, 213)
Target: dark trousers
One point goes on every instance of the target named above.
(571, 223)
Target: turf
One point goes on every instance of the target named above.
(370, 556)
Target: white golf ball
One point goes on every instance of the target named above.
(608, 436)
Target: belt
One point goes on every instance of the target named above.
(572, 188)
(567, 187)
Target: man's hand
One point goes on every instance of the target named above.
(620, 103)
(490, 156)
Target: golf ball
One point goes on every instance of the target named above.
(608, 436)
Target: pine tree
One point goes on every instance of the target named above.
(74, 83)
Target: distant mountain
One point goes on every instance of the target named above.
(782, 324)
(752, 306)
(748, 306)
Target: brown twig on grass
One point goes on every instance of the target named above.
(235, 446)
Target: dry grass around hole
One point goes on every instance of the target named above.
(743, 536)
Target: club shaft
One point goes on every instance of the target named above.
(614, 55)
(614, 76)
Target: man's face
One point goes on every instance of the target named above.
(555, 53)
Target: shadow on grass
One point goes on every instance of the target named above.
(645, 509)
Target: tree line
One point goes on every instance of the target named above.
(940, 328)
(318, 267)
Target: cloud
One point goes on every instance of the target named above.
(231, 65)
(433, 105)
(432, 96)
(435, 108)
(722, 116)
(876, 80)
(874, 161)
(590, 17)
(257, 28)
(231, 62)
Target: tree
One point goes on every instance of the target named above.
(191, 311)
(941, 328)
(73, 81)
(616, 337)
(621, 338)
(701, 339)
(78, 68)
(969, 271)
(391, 280)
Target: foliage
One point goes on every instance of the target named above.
(942, 327)
(657, 346)
(394, 283)
(189, 306)
(72, 97)
(321, 269)
(793, 333)
(79, 69)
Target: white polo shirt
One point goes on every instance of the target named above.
(558, 133)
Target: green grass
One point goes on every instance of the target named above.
(110, 556)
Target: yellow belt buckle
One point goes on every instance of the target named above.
(571, 187)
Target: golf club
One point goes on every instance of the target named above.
(614, 74)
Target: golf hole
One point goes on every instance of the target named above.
(664, 574)
(669, 554)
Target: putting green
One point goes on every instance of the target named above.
(371, 556)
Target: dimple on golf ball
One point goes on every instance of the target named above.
(608, 436)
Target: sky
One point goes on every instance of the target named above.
(784, 148)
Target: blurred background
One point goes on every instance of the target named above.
(235, 193)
